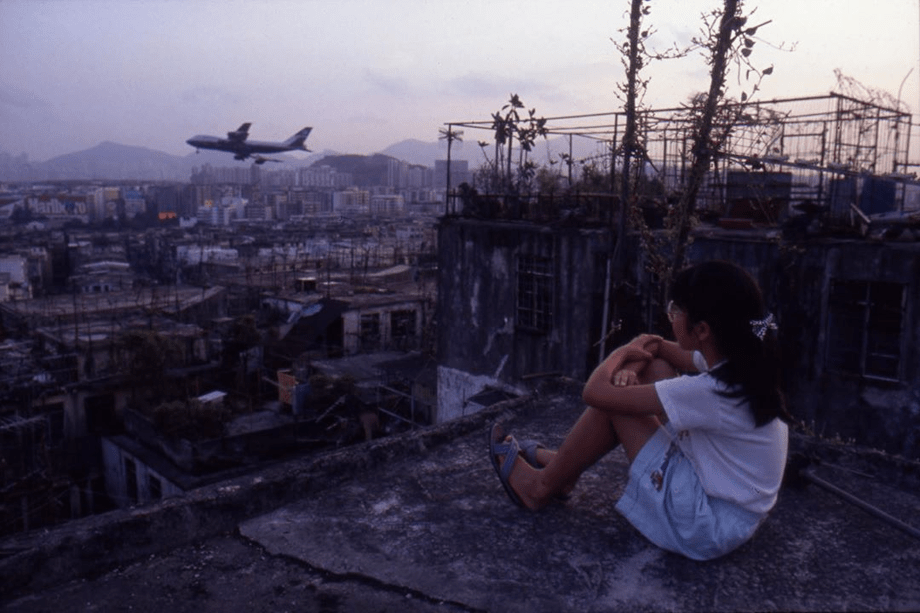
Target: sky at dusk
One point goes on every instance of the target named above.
(368, 73)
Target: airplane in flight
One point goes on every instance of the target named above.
(241, 148)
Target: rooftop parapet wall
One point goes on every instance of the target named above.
(85, 547)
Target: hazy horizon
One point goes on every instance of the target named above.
(366, 75)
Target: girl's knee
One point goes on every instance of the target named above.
(657, 370)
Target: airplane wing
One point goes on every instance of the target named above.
(240, 134)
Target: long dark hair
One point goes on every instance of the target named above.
(728, 299)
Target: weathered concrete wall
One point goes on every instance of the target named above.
(113, 458)
(351, 326)
(455, 387)
(478, 334)
(477, 294)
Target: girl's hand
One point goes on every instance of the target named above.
(625, 377)
(649, 343)
(632, 358)
(634, 353)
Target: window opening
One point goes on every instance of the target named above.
(370, 331)
(402, 329)
(535, 293)
(864, 328)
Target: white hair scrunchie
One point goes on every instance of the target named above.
(760, 326)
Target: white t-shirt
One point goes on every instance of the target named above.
(734, 459)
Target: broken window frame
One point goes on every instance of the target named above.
(154, 488)
(403, 325)
(865, 329)
(371, 332)
(535, 295)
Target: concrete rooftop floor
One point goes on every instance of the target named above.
(419, 522)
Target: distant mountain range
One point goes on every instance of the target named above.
(115, 162)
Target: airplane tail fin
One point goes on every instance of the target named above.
(298, 139)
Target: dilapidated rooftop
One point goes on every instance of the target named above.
(419, 522)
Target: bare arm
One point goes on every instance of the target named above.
(650, 343)
(680, 359)
(601, 392)
(634, 372)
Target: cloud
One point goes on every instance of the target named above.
(392, 86)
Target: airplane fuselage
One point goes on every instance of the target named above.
(238, 144)
(249, 147)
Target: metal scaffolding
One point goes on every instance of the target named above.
(831, 151)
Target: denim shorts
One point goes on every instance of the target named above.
(664, 500)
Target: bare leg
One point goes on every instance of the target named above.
(655, 370)
(635, 431)
(593, 436)
(590, 438)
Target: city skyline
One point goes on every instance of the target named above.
(152, 73)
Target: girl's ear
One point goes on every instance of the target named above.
(702, 331)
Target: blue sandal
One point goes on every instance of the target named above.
(529, 451)
(510, 449)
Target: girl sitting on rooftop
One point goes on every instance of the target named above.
(706, 451)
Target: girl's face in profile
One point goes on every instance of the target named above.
(678, 319)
